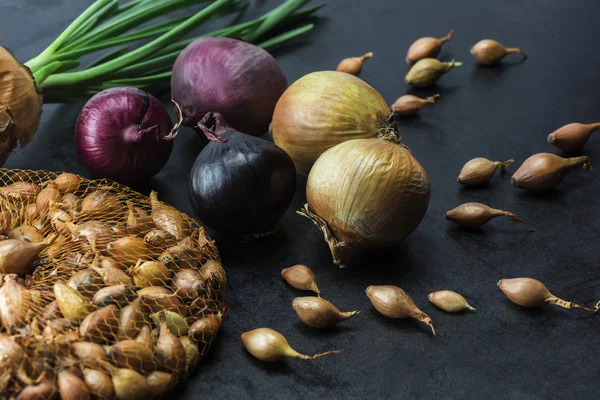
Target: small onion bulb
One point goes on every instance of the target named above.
(269, 345)
(366, 194)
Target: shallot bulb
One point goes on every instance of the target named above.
(545, 171)
(427, 71)
(46, 195)
(71, 303)
(572, 137)
(138, 221)
(128, 250)
(121, 134)
(360, 201)
(270, 346)
(480, 170)
(101, 326)
(206, 328)
(229, 76)
(99, 383)
(17, 256)
(127, 383)
(66, 182)
(319, 313)
(426, 47)
(474, 215)
(15, 302)
(22, 191)
(72, 387)
(177, 325)
(394, 302)
(301, 277)
(528, 292)
(26, 233)
(169, 350)
(45, 390)
(134, 355)
(168, 218)
(353, 65)
(410, 105)
(159, 382)
(450, 301)
(90, 354)
(12, 355)
(490, 52)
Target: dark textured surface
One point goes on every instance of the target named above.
(502, 351)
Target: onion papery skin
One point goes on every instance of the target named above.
(120, 134)
(323, 109)
(236, 79)
(20, 101)
(366, 194)
(241, 187)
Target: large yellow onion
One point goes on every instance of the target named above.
(20, 104)
(323, 109)
(366, 194)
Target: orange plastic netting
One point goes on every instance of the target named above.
(104, 293)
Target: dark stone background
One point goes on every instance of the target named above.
(502, 351)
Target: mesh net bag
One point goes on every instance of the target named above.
(104, 293)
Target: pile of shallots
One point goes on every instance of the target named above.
(103, 293)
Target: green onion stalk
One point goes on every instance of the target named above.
(56, 74)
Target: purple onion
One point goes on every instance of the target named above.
(240, 185)
(234, 78)
(121, 135)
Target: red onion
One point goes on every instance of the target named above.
(240, 185)
(120, 134)
(234, 78)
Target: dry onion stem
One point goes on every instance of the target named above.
(300, 277)
(528, 292)
(270, 346)
(394, 302)
(475, 215)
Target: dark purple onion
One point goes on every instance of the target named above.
(120, 134)
(240, 184)
(236, 79)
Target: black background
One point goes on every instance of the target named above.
(502, 351)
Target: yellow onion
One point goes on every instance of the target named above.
(366, 194)
(323, 109)
(20, 103)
